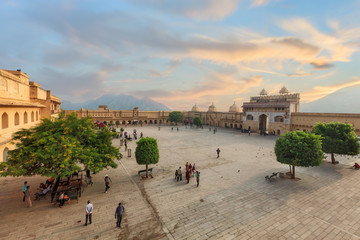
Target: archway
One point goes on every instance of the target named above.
(32, 116)
(159, 121)
(236, 125)
(129, 122)
(4, 121)
(5, 154)
(278, 131)
(17, 119)
(231, 125)
(155, 121)
(25, 118)
(150, 122)
(263, 123)
(226, 125)
(123, 122)
(145, 121)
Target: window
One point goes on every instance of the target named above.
(279, 119)
(249, 117)
(32, 116)
(17, 119)
(25, 118)
(4, 121)
(37, 116)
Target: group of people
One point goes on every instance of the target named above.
(43, 189)
(118, 213)
(190, 171)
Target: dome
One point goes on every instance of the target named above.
(234, 108)
(195, 108)
(263, 92)
(284, 90)
(212, 108)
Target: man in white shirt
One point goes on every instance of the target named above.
(88, 209)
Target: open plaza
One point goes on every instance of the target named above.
(233, 200)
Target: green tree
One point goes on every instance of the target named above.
(117, 123)
(197, 121)
(339, 138)
(176, 117)
(59, 148)
(300, 149)
(147, 152)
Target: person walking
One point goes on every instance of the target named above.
(89, 209)
(190, 169)
(177, 129)
(179, 176)
(125, 144)
(141, 135)
(24, 190)
(218, 152)
(187, 175)
(107, 180)
(118, 214)
(249, 132)
(27, 197)
(197, 175)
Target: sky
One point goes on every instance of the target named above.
(182, 53)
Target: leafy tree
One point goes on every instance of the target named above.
(60, 147)
(197, 121)
(176, 117)
(339, 138)
(299, 148)
(121, 129)
(147, 152)
(117, 123)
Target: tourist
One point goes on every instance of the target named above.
(42, 193)
(218, 152)
(209, 129)
(107, 180)
(171, 129)
(118, 214)
(27, 197)
(88, 209)
(179, 174)
(176, 174)
(177, 129)
(125, 144)
(249, 132)
(197, 175)
(159, 128)
(49, 181)
(187, 175)
(186, 165)
(42, 186)
(24, 190)
(193, 169)
(141, 135)
(214, 131)
(190, 169)
(63, 198)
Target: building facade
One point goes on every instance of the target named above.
(270, 114)
(22, 105)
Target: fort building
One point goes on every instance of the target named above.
(23, 104)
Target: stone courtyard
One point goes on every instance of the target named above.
(233, 200)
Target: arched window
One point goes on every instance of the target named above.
(5, 154)
(17, 119)
(37, 116)
(279, 119)
(25, 118)
(249, 117)
(32, 116)
(4, 121)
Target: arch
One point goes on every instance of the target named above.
(155, 121)
(249, 117)
(279, 119)
(123, 122)
(231, 125)
(25, 118)
(5, 154)
(17, 119)
(236, 125)
(145, 121)
(105, 122)
(278, 131)
(150, 122)
(226, 125)
(4, 120)
(159, 121)
(263, 123)
(32, 116)
(37, 116)
(129, 122)
(240, 126)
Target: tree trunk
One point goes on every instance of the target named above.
(146, 171)
(55, 188)
(293, 172)
(333, 158)
(290, 169)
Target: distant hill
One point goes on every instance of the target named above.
(117, 102)
(345, 100)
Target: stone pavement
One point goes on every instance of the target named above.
(233, 200)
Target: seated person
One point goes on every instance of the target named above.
(356, 166)
(49, 181)
(63, 198)
(42, 187)
(44, 192)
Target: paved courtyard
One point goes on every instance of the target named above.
(233, 200)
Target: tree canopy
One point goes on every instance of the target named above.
(299, 148)
(197, 121)
(60, 147)
(339, 138)
(147, 152)
(176, 117)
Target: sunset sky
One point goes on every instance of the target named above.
(183, 52)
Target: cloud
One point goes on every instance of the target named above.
(199, 9)
(321, 91)
(325, 75)
(172, 66)
(319, 65)
(258, 3)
